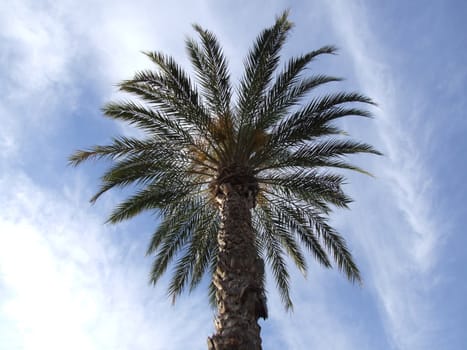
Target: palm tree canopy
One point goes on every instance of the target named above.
(274, 137)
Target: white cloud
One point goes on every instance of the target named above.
(55, 51)
(67, 284)
(398, 231)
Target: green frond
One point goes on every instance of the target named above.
(325, 153)
(279, 231)
(142, 169)
(311, 122)
(173, 233)
(212, 71)
(278, 103)
(288, 87)
(170, 222)
(119, 147)
(293, 215)
(309, 185)
(319, 154)
(197, 253)
(207, 250)
(212, 270)
(260, 65)
(170, 244)
(336, 99)
(313, 226)
(333, 147)
(274, 255)
(295, 161)
(171, 90)
(180, 275)
(329, 163)
(153, 121)
(154, 196)
(337, 247)
(118, 176)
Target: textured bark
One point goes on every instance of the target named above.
(239, 275)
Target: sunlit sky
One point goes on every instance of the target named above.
(69, 281)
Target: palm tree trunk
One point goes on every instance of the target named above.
(239, 276)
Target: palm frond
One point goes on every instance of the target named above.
(314, 119)
(337, 247)
(207, 251)
(274, 255)
(288, 87)
(143, 170)
(280, 231)
(295, 215)
(212, 71)
(309, 185)
(155, 122)
(311, 227)
(325, 153)
(171, 90)
(154, 196)
(173, 233)
(212, 269)
(125, 147)
(260, 65)
(197, 253)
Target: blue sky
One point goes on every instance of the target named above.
(67, 280)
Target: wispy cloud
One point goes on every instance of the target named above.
(400, 249)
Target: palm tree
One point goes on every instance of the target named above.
(237, 182)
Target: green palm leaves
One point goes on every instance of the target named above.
(197, 137)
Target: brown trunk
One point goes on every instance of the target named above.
(239, 274)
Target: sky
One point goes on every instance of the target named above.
(70, 281)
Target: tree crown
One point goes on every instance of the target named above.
(275, 138)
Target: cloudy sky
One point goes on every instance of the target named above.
(68, 281)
